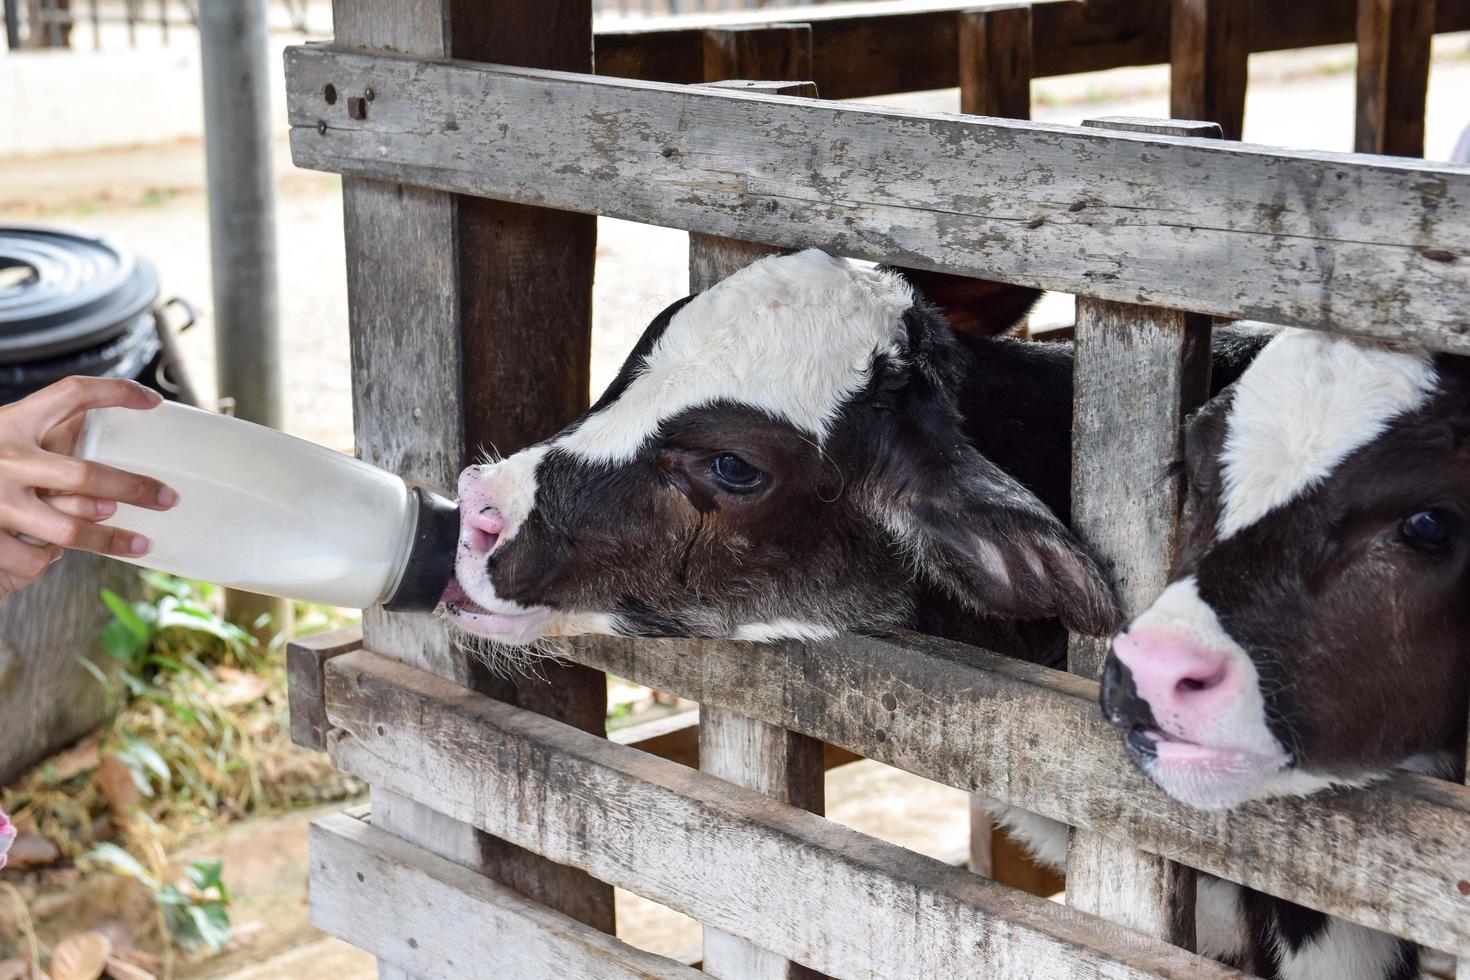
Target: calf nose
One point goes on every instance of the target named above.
(1166, 677)
(481, 523)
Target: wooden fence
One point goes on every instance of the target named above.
(501, 816)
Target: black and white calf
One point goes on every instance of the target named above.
(801, 449)
(804, 448)
(1316, 630)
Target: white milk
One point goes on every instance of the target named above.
(258, 510)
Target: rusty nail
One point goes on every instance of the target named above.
(321, 126)
(357, 107)
(330, 93)
(369, 94)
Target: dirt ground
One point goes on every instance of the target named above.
(151, 199)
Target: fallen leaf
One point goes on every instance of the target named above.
(80, 957)
(236, 687)
(119, 969)
(77, 759)
(31, 850)
(116, 782)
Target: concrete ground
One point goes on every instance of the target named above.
(151, 199)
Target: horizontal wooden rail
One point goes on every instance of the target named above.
(1034, 738)
(876, 48)
(1299, 238)
(797, 884)
(436, 919)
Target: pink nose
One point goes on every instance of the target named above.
(481, 522)
(1184, 683)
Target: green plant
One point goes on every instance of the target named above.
(196, 911)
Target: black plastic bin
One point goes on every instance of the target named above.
(76, 304)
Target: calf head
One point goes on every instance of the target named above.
(1315, 628)
(780, 457)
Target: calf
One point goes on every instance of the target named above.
(1315, 631)
(804, 448)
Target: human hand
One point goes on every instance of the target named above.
(50, 501)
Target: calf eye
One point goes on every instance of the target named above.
(1428, 530)
(735, 474)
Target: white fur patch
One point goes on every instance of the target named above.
(1345, 951)
(509, 486)
(1305, 404)
(1044, 837)
(791, 335)
(1219, 922)
(783, 629)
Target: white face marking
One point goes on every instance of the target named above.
(783, 629)
(509, 486)
(1179, 611)
(1306, 403)
(792, 335)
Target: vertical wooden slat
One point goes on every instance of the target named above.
(449, 298)
(995, 80)
(1209, 41)
(763, 757)
(1393, 75)
(995, 61)
(1139, 372)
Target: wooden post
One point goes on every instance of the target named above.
(995, 80)
(777, 762)
(1209, 41)
(1139, 371)
(1393, 75)
(455, 303)
(995, 61)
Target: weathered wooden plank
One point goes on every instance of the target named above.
(781, 53)
(1393, 75)
(305, 658)
(445, 293)
(868, 49)
(1034, 738)
(1208, 226)
(433, 918)
(805, 887)
(995, 61)
(1139, 372)
(1209, 41)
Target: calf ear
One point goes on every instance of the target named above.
(992, 544)
(978, 307)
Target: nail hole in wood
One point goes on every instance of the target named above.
(330, 94)
(357, 107)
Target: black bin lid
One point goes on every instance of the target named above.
(62, 292)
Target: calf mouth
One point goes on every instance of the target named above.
(514, 628)
(1205, 777)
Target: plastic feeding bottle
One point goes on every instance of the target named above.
(266, 512)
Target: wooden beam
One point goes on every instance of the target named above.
(1034, 738)
(432, 918)
(1054, 207)
(1209, 41)
(306, 657)
(874, 48)
(446, 294)
(995, 61)
(802, 886)
(776, 54)
(1394, 39)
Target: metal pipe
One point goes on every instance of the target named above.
(238, 150)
